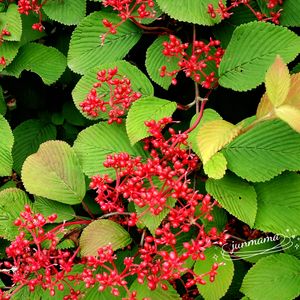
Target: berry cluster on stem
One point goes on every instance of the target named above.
(116, 98)
(193, 65)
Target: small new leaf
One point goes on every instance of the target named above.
(278, 82)
(290, 115)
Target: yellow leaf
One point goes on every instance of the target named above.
(293, 97)
(216, 167)
(278, 82)
(213, 136)
(265, 107)
(290, 115)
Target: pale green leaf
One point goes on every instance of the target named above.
(147, 109)
(213, 136)
(54, 172)
(235, 195)
(265, 151)
(96, 142)
(48, 207)
(257, 43)
(216, 167)
(139, 83)
(12, 202)
(45, 61)
(278, 205)
(28, 137)
(68, 12)
(265, 108)
(155, 60)
(273, 277)
(193, 11)
(293, 97)
(278, 82)
(87, 49)
(102, 233)
(6, 144)
(290, 115)
(217, 289)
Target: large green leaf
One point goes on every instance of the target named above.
(48, 207)
(47, 62)
(235, 195)
(6, 144)
(278, 201)
(155, 60)
(274, 277)
(12, 202)
(86, 48)
(54, 172)
(147, 109)
(101, 233)
(194, 11)
(96, 142)
(11, 21)
(216, 167)
(28, 137)
(68, 12)
(217, 289)
(143, 292)
(264, 151)
(252, 49)
(139, 83)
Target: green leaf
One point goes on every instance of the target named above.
(290, 13)
(258, 43)
(278, 201)
(96, 142)
(54, 172)
(216, 167)
(218, 288)
(291, 246)
(86, 49)
(290, 115)
(8, 50)
(101, 233)
(147, 109)
(11, 21)
(274, 277)
(48, 207)
(45, 61)
(155, 60)
(151, 221)
(213, 136)
(278, 82)
(72, 115)
(235, 195)
(208, 115)
(139, 83)
(263, 152)
(144, 292)
(12, 202)
(68, 12)
(193, 11)
(219, 219)
(6, 144)
(3, 106)
(28, 137)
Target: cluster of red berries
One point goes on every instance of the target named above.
(225, 12)
(128, 9)
(116, 98)
(27, 6)
(193, 65)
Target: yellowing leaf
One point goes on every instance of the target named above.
(216, 167)
(290, 115)
(265, 107)
(213, 136)
(278, 82)
(293, 97)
